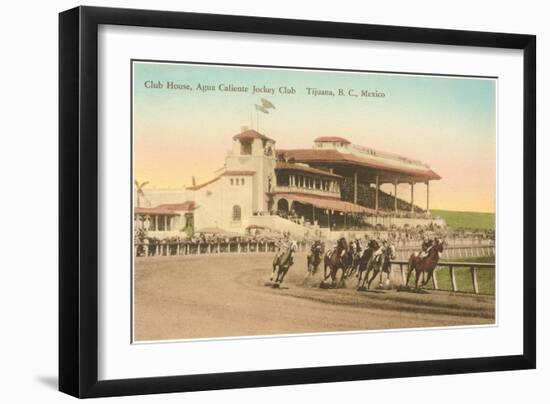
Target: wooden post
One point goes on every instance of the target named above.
(377, 190)
(434, 279)
(355, 187)
(403, 277)
(427, 196)
(453, 278)
(473, 270)
(395, 195)
(412, 197)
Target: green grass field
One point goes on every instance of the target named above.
(485, 277)
(467, 220)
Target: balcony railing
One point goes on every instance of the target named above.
(307, 190)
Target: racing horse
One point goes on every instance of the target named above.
(425, 264)
(314, 259)
(381, 263)
(364, 263)
(355, 258)
(335, 259)
(282, 263)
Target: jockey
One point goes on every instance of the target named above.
(283, 245)
(427, 245)
(316, 244)
(359, 246)
(334, 248)
(378, 253)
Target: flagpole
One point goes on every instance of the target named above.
(263, 107)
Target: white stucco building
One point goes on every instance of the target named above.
(333, 185)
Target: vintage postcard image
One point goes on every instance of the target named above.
(270, 201)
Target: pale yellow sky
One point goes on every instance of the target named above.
(448, 123)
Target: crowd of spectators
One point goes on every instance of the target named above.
(258, 241)
(211, 243)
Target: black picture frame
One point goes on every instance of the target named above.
(78, 200)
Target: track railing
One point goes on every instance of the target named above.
(451, 266)
(186, 248)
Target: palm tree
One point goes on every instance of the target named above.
(139, 190)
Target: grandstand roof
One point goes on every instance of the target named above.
(332, 139)
(300, 167)
(331, 156)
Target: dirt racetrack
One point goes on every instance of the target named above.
(225, 295)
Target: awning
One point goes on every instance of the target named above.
(155, 211)
(331, 204)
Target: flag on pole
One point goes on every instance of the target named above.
(261, 109)
(267, 104)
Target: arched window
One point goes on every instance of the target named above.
(236, 213)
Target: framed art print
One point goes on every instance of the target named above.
(244, 201)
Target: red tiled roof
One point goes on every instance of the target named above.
(155, 211)
(328, 203)
(232, 173)
(251, 134)
(334, 156)
(333, 139)
(299, 167)
(184, 206)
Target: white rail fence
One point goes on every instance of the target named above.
(186, 248)
(182, 248)
(451, 267)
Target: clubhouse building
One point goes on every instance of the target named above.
(332, 186)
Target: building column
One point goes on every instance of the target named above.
(427, 196)
(165, 223)
(412, 197)
(376, 195)
(355, 187)
(395, 195)
(156, 222)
